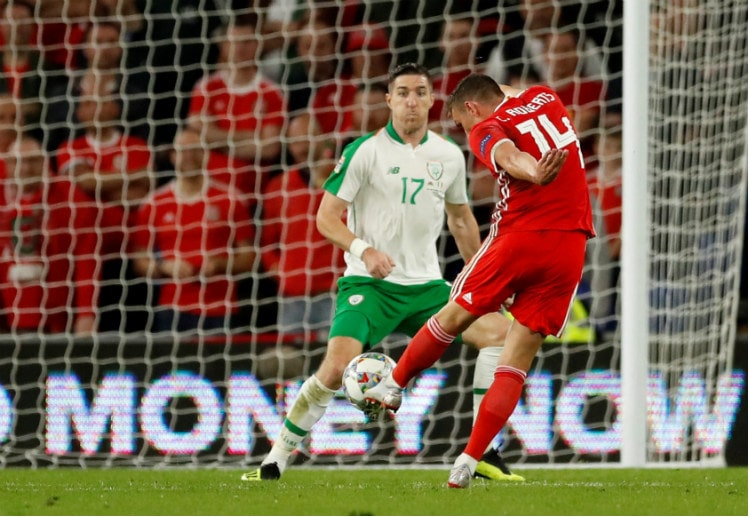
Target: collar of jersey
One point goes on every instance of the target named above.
(241, 89)
(392, 133)
(508, 97)
(95, 143)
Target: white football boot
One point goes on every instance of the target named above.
(385, 395)
(460, 476)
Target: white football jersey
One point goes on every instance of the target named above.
(397, 195)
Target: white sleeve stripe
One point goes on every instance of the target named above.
(492, 152)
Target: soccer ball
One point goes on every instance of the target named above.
(364, 372)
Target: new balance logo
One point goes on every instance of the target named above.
(394, 170)
(467, 298)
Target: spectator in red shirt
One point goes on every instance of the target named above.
(114, 170)
(603, 253)
(459, 42)
(369, 54)
(19, 58)
(61, 33)
(47, 262)
(607, 184)
(581, 95)
(304, 263)
(11, 120)
(109, 166)
(104, 65)
(193, 236)
(333, 89)
(372, 114)
(372, 111)
(459, 45)
(239, 113)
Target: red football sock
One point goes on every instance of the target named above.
(423, 350)
(495, 410)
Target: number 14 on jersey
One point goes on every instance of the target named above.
(542, 125)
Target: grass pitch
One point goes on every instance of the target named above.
(592, 491)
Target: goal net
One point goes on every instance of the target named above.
(698, 172)
(149, 318)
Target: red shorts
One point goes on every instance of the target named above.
(540, 270)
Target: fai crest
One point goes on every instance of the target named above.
(435, 170)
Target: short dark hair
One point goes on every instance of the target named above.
(475, 87)
(408, 69)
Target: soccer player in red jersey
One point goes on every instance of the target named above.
(532, 259)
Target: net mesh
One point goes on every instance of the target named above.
(697, 156)
(107, 360)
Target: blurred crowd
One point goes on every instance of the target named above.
(162, 162)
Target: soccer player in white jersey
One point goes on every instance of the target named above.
(395, 185)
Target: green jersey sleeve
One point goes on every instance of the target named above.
(346, 178)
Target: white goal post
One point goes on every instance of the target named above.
(645, 374)
(635, 234)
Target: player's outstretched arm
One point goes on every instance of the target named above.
(525, 167)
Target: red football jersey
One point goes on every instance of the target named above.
(578, 96)
(581, 94)
(535, 121)
(47, 256)
(249, 108)
(443, 86)
(332, 105)
(608, 192)
(60, 42)
(14, 77)
(122, 155)
(307, 262)
(192, 229)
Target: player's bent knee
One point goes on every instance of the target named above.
(488, 331)
(330, 372)
(454, 319)
(340, 351)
